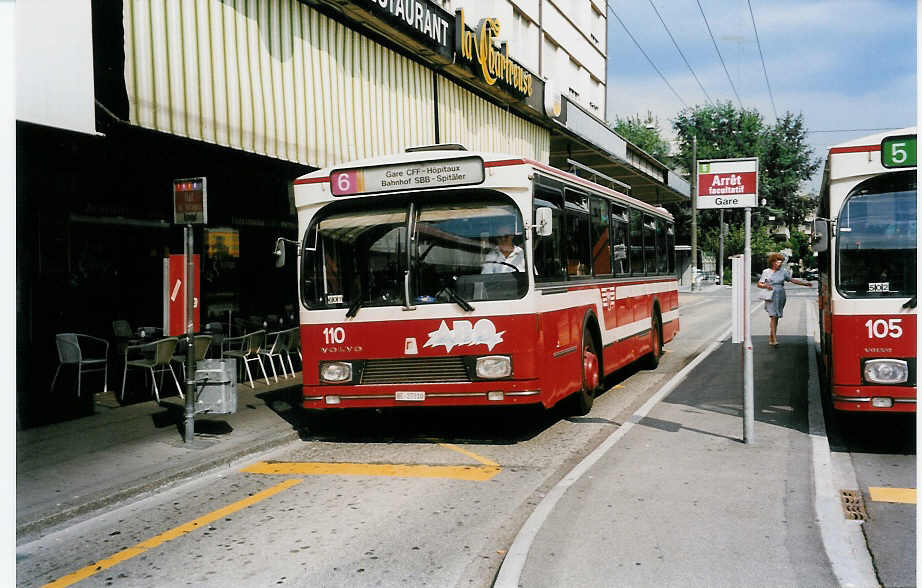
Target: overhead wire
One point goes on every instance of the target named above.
(762, 57)
(716, 48)
(624, 26)
(700, 85)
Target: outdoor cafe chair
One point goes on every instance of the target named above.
(293, 343)
(275, 349)
(70, 352)
(201, 343)
(246, 347)
(216, 330)
(156, 357)
(122, 329)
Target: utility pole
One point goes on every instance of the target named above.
(694, 211)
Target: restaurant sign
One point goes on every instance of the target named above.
(423, 20)
(490, 63)
(407, 176)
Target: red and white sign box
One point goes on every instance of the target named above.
(728, 183)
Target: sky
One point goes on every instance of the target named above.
(843, 64)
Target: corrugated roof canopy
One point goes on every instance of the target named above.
(585, 139)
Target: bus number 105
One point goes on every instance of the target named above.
(881, 328)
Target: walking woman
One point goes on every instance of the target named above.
(773, 279)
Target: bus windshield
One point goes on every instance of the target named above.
(876, 233)
(449, 247)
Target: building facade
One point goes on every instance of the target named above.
(116, 99)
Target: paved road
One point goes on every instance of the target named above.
(408, 497)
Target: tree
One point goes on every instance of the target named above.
(645, 133)
(786, 161)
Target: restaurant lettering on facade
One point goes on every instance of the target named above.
(426, 20)
(477, 46)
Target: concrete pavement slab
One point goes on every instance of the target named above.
(681, 500)
(70, 469)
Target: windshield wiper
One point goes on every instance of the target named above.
(354, 307)
(456, 298)
(911, 303)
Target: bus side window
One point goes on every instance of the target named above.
(636, 243)
(619, 240)
(577, 238)
(661, 248)
(600, 223)
(649, 250)
(670, 247)
(548, 254)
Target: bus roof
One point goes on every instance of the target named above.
(490, 159)
(869, 142)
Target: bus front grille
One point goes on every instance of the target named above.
(415, 370)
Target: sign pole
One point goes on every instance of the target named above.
(694, 218)
(190, 337)
(748, 409)
(720, 258)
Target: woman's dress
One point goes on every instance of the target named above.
(776, 279)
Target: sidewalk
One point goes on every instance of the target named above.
(69, 469)
(680, 500)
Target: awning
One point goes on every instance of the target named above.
(579, 136)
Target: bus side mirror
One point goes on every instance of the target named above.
(543, 224)
(820, 235)
(279, 252)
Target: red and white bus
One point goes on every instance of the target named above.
(867, 258)
(444, 277)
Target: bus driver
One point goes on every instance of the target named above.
(506, 256)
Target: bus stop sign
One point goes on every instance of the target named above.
(728, 183)
(190, 201)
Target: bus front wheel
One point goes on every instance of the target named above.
(656, 339)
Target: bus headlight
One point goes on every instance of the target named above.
(494, 366)
(886, 371)
(336, 372)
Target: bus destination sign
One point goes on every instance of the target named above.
(728, 183)
(407, 176)
(898, 151)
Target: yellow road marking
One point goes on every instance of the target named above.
(618, 386)
(470, 454)
(471, 473)
(162, 538)
(902, 495)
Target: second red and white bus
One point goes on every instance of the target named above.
(447, 277)
(867, 261)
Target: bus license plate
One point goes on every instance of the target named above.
(410, 395)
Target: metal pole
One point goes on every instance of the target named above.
(694, 203)
(720, 259)
(748, 409)
(190, 340)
